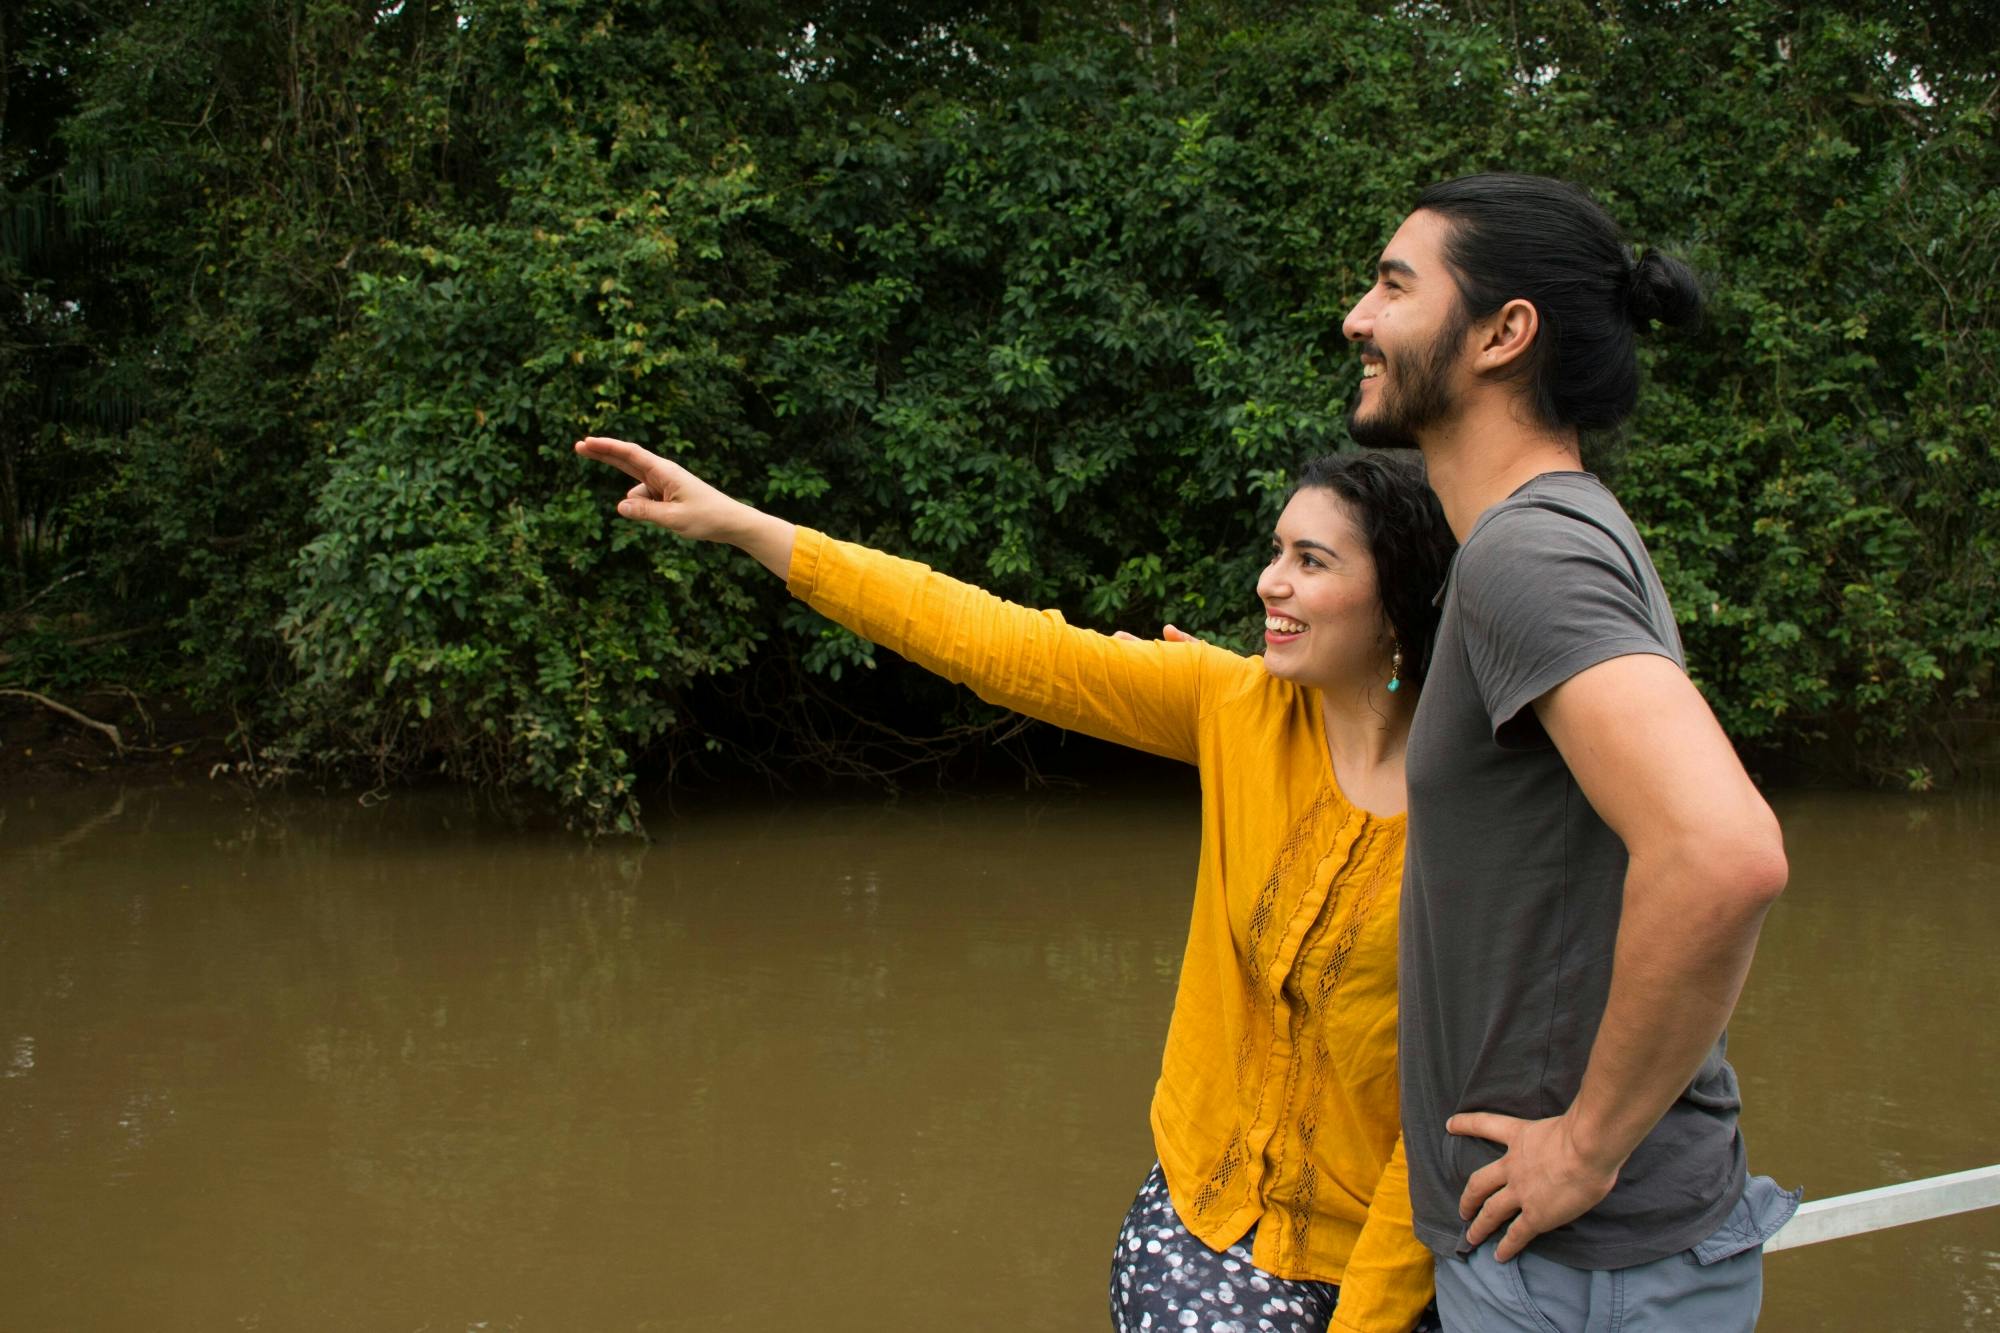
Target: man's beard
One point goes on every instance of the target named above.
(1417, 395)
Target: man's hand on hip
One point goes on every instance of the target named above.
(1543, 1180)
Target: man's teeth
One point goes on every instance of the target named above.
(1370, 369)
(1280, 625)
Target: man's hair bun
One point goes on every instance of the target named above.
(1663, 288)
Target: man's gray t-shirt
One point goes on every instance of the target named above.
(1512, 885)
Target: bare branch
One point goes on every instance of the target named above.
(117, 741)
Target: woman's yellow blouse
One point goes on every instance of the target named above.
(1277, 1099)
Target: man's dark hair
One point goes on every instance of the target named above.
(1549, 243)
(1404, 526)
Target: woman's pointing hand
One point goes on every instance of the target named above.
(671, 497)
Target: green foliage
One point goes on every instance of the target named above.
(1819, 467)
(1051, 300)
(466, 594)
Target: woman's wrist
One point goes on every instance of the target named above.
(764, 537)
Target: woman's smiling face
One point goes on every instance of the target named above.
(1323, 620)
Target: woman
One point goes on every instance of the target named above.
(1280, 1200)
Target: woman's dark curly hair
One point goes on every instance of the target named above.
(1406, 532)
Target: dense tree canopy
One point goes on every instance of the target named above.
(305, 300)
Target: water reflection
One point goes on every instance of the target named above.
(299, 1065)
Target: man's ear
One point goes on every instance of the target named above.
(1505, 336)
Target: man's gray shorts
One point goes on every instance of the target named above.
(1716, 1287)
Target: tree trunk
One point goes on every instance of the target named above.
(10, 521)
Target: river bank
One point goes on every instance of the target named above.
(61, 740)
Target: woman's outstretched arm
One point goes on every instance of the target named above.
(1146, 695)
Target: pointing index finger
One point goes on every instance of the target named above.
(626, 457)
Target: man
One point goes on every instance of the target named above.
(1588, 864)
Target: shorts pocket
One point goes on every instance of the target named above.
(1763, 1208)
(1565, 1298)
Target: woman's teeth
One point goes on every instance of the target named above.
(1280, 625)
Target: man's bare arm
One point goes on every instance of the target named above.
(1706, 861)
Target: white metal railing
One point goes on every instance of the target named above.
(1889, 1206)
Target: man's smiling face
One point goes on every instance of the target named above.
(1410, 328)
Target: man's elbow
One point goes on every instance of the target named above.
(1762, 878)
(1752, 869)
(1733, 867)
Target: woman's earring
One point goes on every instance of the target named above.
(1396, 670)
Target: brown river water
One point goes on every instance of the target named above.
(296, 1064)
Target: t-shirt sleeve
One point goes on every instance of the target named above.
(1544, 596)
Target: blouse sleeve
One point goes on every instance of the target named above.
(1388, 1281)
(1147, 695)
